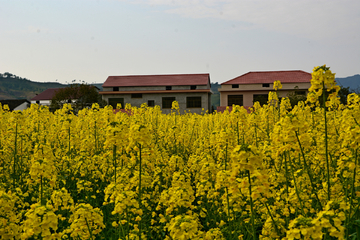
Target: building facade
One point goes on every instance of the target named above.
(251, 87)
(191, 91)
(15, 104)
(44, 98)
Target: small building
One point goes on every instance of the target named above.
(191, 91)
(16, 104)
(44, 98)
(251, 87)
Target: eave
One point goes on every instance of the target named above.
(155, 91)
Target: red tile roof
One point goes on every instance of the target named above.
(157, 80)
(45, 95)
(271, 76)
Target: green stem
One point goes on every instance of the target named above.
(69, 139)
(226, 188)
(95, 138)
(351, 196)
(286, 176)
(296, 189)
(114, 161)
(273, 220)
(326, 145)
(252, 207)
(15, 153)
(89, 228)
(140, 204)
(313, 190)
(41, 191)
(238, 134)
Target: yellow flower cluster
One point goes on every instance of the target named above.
(274, 173)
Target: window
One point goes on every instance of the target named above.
(168, 87)
(235, 99)
(167, 102)
(151, 103)
(193, 102)
(69, 101)
(38, 102)
(193, 87)
(114, 101)
(235, 86)
(261, 98)
(136, 95)
(300, 92)
(266, 85)
(115, 89)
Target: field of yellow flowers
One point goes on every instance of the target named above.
(275, 173)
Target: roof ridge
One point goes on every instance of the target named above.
(255, 76)
(171, 74)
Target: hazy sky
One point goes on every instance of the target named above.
(49, 40)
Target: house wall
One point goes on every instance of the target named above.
(180, 97)
(42, 102)
(248, 91)
(22, 106)
(254, 87)
(153, 88)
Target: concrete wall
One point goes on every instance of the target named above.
(157, 98)
(249, 90)
(43, 102)
(254, 87)
(152, 88)
(22, 106)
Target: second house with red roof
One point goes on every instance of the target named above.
(253, 87)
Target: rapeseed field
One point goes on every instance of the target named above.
(274, 173)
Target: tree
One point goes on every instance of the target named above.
(343, 92)
(79, 95)
(296, 96)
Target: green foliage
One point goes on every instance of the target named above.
(296, 96)
(80, 95)
(344, 91)
(215, 97)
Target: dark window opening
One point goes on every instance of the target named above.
(235, 100)
(151, 103)
(115, 89)
(266, 85)
(69, 101)
(167, 102)
(193, 102)
(114, 101)
(193, 87)
(136, 95)
(235, 86)
(168, 87)
(300, 92)
(261, 98)
(38, 102)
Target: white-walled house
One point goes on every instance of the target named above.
(248, 88)
(44, 98)
(191, 91)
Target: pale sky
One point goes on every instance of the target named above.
(89, 40)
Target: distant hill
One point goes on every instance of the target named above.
(15, 87)
(352, 82)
